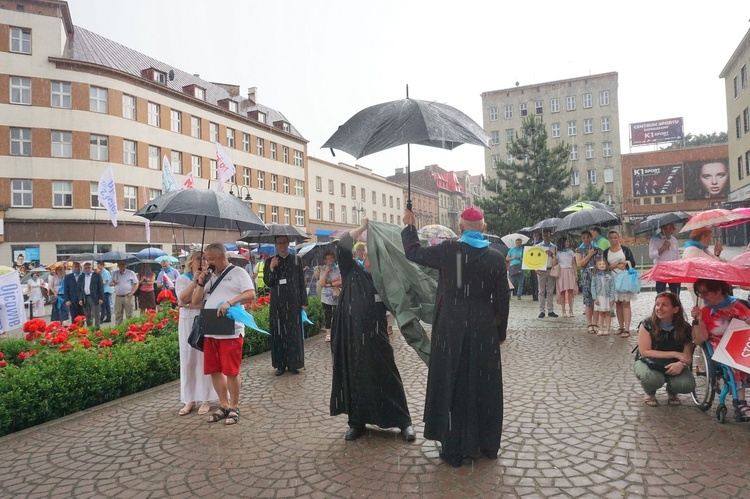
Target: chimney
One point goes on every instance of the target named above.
(252, 94)
(399, 171)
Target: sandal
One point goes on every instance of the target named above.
(233, 417)
(619, 331)
(204, 408)
(673, 400)
(650, 400)
(743, 408)
(625, 334)
(592, 328)
(187, 409)
(220, 414)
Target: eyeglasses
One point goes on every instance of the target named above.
(701, 292)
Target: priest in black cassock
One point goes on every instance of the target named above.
(286, 280)
(366, 383)
(464, 401)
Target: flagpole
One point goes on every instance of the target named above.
(93, 242)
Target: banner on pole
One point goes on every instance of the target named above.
(188, 183)
(168, 182)
(224, 167)
(12, 312)
(107, 195)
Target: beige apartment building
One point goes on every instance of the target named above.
(73, 103)
(738, 120)
(582, 112)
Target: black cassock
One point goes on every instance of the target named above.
(464, 401)
(288, 294)
(366, 383)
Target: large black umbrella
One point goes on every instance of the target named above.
(547, 223)
(84, 257)
(406, 121)
(119, 256)
(313, 253)
(204, 208)
(588, 218)
(655, 222)
(269, 235)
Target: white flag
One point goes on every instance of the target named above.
(188, 183)
(224, 167)
(168, 182)
(12, 312)
(107, 196)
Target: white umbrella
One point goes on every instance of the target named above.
(510, 239)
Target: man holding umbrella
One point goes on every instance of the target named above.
(546, 281)
(663, 247)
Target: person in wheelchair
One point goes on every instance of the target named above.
(714, 318)
(665, 351)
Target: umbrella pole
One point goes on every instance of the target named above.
(93, 237)
(408, 170)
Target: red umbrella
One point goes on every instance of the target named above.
(741, 211)
(713, 218)
(692, 269)
(741, 259)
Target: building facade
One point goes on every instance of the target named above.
(582, 112)
(341, 195)
(73, 103)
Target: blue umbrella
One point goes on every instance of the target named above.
(231, 247)
(150, 253)
(168, 258)
(269, 249)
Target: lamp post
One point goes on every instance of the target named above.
(357, 211)
(240, 189)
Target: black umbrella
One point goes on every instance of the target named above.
(585, 205)
(269, 235)
(202, 208)
(526, 231)
(313, 253)
(588, 218)
(547, 223)
(83, 257)
(406, 121)
(655, 222)
(118, 256)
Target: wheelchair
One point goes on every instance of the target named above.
(712, 377)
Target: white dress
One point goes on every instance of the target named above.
(36, 297)
(194, 385)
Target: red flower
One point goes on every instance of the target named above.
(2, 355)
(23, 355)
(86, 343)
(105, 343)
(98, 334)
(114, 332)
(65, 347)
(80, 319)
(3, 364)
(165, 296)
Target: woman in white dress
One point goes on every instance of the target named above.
(35, 295)
(194, 385)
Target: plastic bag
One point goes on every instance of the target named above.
(628, 282)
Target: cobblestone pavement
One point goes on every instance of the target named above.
(575, 426)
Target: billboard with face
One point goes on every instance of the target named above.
(657, 180)
(707, 179)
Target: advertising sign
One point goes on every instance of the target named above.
(734, 349)
(707, 179)
(653, 132)
(658, 180)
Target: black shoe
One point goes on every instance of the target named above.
(535, 299)
(354, 433)
(452, 459)
(279, 371)
(489, 454)
(541, 315)
(552, 314)
(409, 434)
(294, 371)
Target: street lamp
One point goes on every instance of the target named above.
(240, 190)
(358, 209)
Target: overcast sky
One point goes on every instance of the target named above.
(320, 61)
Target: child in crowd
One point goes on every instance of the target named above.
(603, 291)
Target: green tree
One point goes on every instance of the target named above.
(592, 193)
(699, 140)
(530, 187)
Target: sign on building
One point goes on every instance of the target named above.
(653, 132)
(658, 180)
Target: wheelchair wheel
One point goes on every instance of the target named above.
(721, 414)
(704, 373)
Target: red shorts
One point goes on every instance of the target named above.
(222, 356)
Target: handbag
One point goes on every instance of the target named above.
(195, 339)
(555, 271)
(659, 365)
(628, 282)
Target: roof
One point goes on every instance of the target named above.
(741, 48)
(89, 47)
(551, 83)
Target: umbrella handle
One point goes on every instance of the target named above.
(408, 204)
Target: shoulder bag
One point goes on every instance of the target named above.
(195, 339)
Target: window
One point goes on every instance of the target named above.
(274, 154)
(261, 117)
(607, 149)
(391, 218)
(384, 217)
(374, 215)
(261, 180)
(343, 190)
(571, 128)
(610, 199)
(20, 90)
(213, 171)
(62, 194)
(98, 100)
(274, 214)
(260, 144)
(523, 108)
(604, 98)
(154, 114)
(343, 214)
(331, 212)
(99, 147)
(318, 184)
(230, 137)
(743, 76)
(390, 201)
(736, 86)
(21, 195)
(495, 137)
(213, 132)
(591, 174)
(605, 124)
(60, 94)
(233, 106)
(195, 127)
(746, 119)
(588, 101)
(246, 176)
(287, 216)
(398, 203)
(285, 183)
(153, 194)
(588, 125)
(362, 194)
(285, 153)
(262, 212)
(740, 172)
(738, 127)
(94, 195)
(274, 182)
(175, 120)
(131, 197)
(330, 187)
(128, 107)
(299, 187)
(298, 158)
(747, 162)
(556, 129)
(354, 192)
(589, 150)
(20, 40)
(319, 210)
(508, 112)
(573, 153)
(62, 144)
(554, 105)
(575, 178)
(154, 152)
(299, 217)
(374, 197)
(609, 175)
(199, 93)
(495, 158)
(539, 107)
(493, 114)
(383, 199)
(245, 142)
(176, 161)
(196, 167)
(20, 141)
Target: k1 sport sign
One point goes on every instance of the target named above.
(653, 132)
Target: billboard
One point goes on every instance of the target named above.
(708, 179)
(653, 132)
(658, 180)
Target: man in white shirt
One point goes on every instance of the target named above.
(222, 354)
(546, 281)
(124, 284)
(663, 247)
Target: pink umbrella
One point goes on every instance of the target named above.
(741, 211)
(338, 234)
(692, 269)
(741, 259)
(713, 218)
